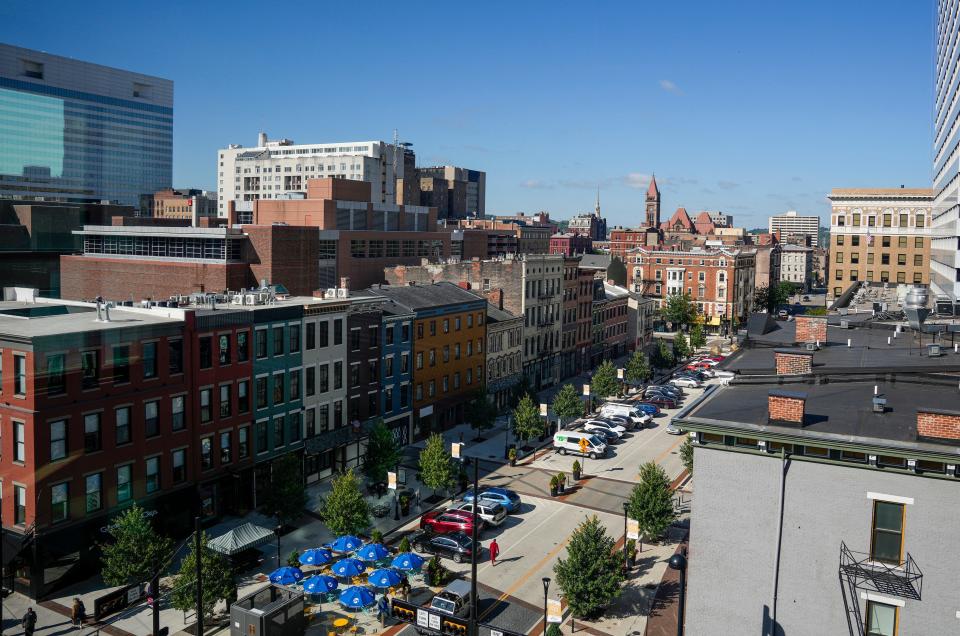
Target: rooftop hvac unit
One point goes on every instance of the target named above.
(879, 404)
(934, 351)
(330, 293)
(250, 299)
(343, 292)
(236, 299)
(812, 346)
(844, 324)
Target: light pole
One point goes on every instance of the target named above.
(546, 587)
(625, 558)
(679, 562)
(277, 532)
(396, 496)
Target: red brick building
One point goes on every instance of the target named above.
(570, 244)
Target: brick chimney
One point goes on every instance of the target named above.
(786, 408)
(811, 328)
(938, 424)
(793, 362)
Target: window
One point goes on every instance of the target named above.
(432, 388)
(839, 258)
(243, 445)
(446, 353)
(918, 242)
(419, 360)
(373, 337)
(355, 339)
(59, 502)
(901, 277)
(149, 360)
(388, 334)
(124, 483)
(294, 338)
(337, 375)
(446, 325)
(855, 241)
(404, 363)
(312, 335)
(839, 242)
(901, 241)
(19, 374)
(261, 343)
(869, 258)
(178, 461)
(338, 331)
(295, 385)
(58, 439)
(278, 341)
(206, 352)
(225, 400)
(310, 381)
(920, 221)
(278, 389)
(324, 333)
(882, 619)
(278, 431)
(206, 453)
(338, 414)
(243, 346)
(433, 327)
(418, 392)
(122, 418)
(355, 375)
(917, 260)
(885, 241)
(243, 396)
(886, 543)
(206, 411)
(177, 419)
(293, 424)
(56, 377)
(839, 274)
(19, 443)
(93, 491)
(419, 330)
(91, 433)
(903, 220)
(19, 505)
(225, 447)
(887, 220)
(175, 353)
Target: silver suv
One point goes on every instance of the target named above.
(490, 511)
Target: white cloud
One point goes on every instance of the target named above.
(636, 180)
(728, 185)
(534, 184)
(670, 87)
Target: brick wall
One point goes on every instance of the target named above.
(793, 363)
(787, 408)
(938, 423)
(811, 329)
(284, 254)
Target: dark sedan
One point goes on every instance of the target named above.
(662, 401)
(454, 545)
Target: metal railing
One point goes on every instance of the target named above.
(903, 579)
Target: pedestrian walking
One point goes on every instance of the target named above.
(75, 613)
(405, 589)
(494, 553)
(29, 622)
(383, 609)
(82, 612)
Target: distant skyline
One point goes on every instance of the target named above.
(752, 108)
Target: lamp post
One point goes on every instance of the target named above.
(679, 562)
(396, 496)
(586, 393)
(546, 587)
(625, 558)
(277, 532)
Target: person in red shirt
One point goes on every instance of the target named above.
(494, 553)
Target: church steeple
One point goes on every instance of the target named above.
(597, 209)
(653, 203)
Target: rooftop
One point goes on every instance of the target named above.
(495, 314)
(426, 296)
(886, 193)
(49, 317)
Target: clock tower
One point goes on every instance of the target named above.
(653, 204)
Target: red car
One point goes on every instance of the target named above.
(446, 521)
(698, 366)
(661, 401)
(714, 358)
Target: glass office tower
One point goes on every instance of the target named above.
(76, 131)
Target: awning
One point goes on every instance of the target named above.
(241, 538)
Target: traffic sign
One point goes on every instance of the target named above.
(583, 445)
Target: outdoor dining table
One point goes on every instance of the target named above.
(340, 623)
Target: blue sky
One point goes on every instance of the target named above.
(748, 107)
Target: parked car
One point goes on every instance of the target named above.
(620, 420)
(658, 393)
(782, 314)
(671, 390)
(697, 375)
(690, 383)
(453, 600)
(447, 521)
(673, 429)
(503, 496)
(591, 425)
(635, 419)
(715, 358)
(806, 298)
(607, 437)
(720, 373)
(662, 401)
(650, 409)
(454, 545)
(628, 410)
(491, 512)
(569, 442)
(698, 366)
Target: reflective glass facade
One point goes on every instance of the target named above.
(65, 143)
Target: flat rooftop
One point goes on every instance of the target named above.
(34, 320)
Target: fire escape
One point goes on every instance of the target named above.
(858, 571)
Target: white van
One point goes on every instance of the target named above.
(569, 442)
(628, 411)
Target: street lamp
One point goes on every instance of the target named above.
(277, 532)
(679, 562)
(625, 558)
(396, 495)
(546, 587)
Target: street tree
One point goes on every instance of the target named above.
(216, 578)
(136, 552)
(591, 574)
(345, 511)
(769, 298)
(686, 455)
(567, 403)
(286, 497)
(436, 466)
(526, 419)
(698, 338)
(604, 382)
(480, 411)
(680, 310)
(383, 453)
(680, 347)
(662, 356)
(638, 368)
(651, 502)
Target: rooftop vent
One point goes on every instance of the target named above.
(813, 346)
(879, 404)
(934, 350)
(844, 324)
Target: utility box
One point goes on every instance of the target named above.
(270, 611)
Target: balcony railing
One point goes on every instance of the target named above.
(902, 579)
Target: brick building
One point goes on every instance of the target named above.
(190, 205)
(611, 337)
(504, 355)
(570, 244)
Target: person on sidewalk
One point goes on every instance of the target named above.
(29, 622)
(494, 553)
(75, 613)
(383, 610)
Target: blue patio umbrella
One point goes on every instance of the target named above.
(407, 561)
(373, 552)
(384, 578)
(316, 556)
(346, 543)
(286, 575)
(357, 597)
(348, 567)
(320, 584)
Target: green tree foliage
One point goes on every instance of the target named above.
(604, 382)
(136, 551)
(286, 497)
(293, 559)
(680, 310)
(217, 579)
(567, 403)
(650, 502)
(436, 467)
(526, 419)
(345, 511)
(480, 411)
(591, 574)
(769, 298)
(519, 390)
(686, 455)
(383, 454)
(638, 369)
(698, 338)
(681, 349)
(404, 544)
(816, 311)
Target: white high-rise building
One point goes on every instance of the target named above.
(944, 253)
(280, 169)
(792, 224)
